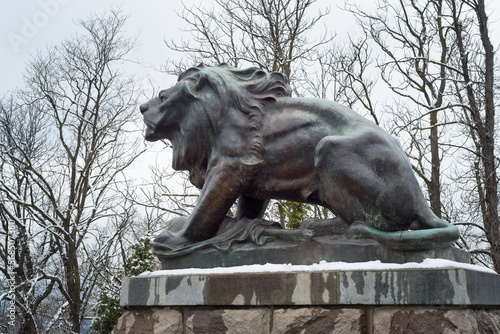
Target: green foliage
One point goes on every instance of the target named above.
(141, 260)
(294, 213)
(108, 309)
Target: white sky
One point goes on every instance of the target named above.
(29, 25)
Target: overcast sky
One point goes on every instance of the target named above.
(30, 25)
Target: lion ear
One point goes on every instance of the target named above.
(202, 82)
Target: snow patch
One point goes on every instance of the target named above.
(322, 266)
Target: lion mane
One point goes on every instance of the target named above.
(248, 90)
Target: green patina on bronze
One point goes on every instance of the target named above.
(243, 137)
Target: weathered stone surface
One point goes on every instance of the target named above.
(448, 286)
(273, 289)
(416, 321)
(427, 287)
(362, 320)
(483, 288)
(435, 321)
(147, 320)
(164, 290)
(319, 320)
(488, 321)
(222, 321)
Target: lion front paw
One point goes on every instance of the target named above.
(173, 236)
(172, 241)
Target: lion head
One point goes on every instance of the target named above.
(191, 113)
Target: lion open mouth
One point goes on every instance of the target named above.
(150, 134)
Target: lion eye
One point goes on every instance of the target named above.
(162, 97)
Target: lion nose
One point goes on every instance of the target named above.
(143, 107)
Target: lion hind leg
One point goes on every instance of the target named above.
(437, 233)
(346, 181)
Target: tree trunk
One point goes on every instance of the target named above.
(28, 325)
(435, 184)
(491, 219)
(73, 283)
(484, 127)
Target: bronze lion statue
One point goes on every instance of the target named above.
(242, 137)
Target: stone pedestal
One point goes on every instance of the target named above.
(433, 297)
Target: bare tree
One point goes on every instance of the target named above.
(439, 62)
(23, 138)
(475, 89)
(270, 34)
(342, 73)
(86, 106)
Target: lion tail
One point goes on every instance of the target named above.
(436, 232)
